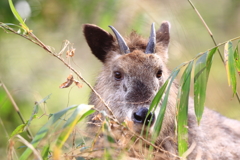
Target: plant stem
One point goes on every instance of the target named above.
(73, 70)
(16, 108)
(213, 39)
(31, 37)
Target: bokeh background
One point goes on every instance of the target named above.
(30, 73)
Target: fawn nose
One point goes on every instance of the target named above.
(141, 114)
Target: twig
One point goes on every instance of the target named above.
(16, 108)
(213, 39)
(31, 37)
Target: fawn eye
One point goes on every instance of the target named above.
(118, 75)
(159, 74)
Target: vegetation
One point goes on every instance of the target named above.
(57, 131)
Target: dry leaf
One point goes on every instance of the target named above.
(72, 52)
(68, 82)
(78, 83)
(97, 117)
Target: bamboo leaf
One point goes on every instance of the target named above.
(230, 66)
(200, 86)
(68, 127)
(156, 100)
(159, 121)
(201, 74)
(44, 130)
(158, 96)
(182, 105)
(209, 60)
(17, 16)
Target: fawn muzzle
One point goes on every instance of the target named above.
(141, 115)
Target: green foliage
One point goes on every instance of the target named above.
(79, 113)
(201, 73)
(49, 127)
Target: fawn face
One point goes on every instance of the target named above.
(133, 71)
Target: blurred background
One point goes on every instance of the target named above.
(30, 73)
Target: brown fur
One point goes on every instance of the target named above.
(217, 137)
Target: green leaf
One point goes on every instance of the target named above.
(17, 16)
(44, 130)
(18, 130)
(182, 106)
(45, 152)
(230, 66)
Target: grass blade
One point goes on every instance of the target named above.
(182, 105)
(68, 127)
(17, 16)
(44, 130)
(230, 66)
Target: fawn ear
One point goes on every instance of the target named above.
(99, 41)
(163, 37)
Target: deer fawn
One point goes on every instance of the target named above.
(134, 69)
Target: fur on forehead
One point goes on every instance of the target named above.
(138, 59)
(137, 42)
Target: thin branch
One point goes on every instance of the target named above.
(213, 39)
(31, 37)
